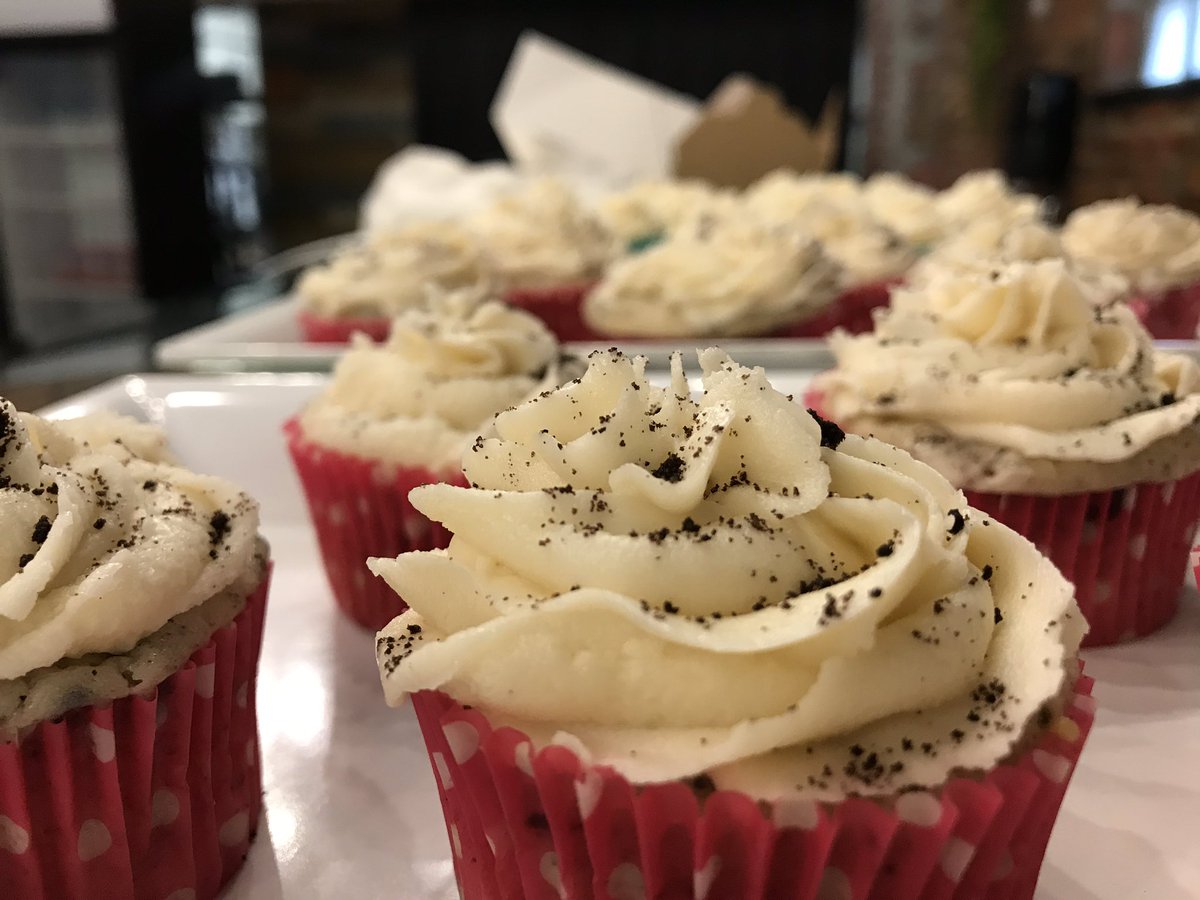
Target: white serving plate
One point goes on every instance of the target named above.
(350, 802)
(267, 338)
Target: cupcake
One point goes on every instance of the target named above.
(1157, 248)
(907, 208)
(991, 243)
(984, 195)
(1059, 419)
(719, 648)
(400, 414)
(547, 250)
(132, 594)
(833, 210)
(363, 287)
(645, 213)
(719, 277)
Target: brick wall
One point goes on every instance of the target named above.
(921, 121)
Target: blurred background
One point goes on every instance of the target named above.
(155, 156)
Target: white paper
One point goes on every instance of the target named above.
(561, 112)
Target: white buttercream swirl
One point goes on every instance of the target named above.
(687, 585)
(721, 277)
(909, 209)
(654, 208)
(542, 236)
(1016, 359)
(1157, 247)
(419, 398)
(99, 547)
(985, 195)
(394, 271)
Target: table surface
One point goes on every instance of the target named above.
(350, 799)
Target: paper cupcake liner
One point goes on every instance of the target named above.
(852, 311)
(559, 307)
(359, 508)
(542, 825)
(1171, 315)
(337, 330)
(1126, 550)
(146, 798)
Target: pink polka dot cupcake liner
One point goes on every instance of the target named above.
(359, 509)
(1171, 315)
(544, 825)
(851, 311)
(146, 798)
(1126, 550)
(560, 308)
(337, 330)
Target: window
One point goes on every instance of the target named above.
(1172, 46)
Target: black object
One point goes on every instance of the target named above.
(461, 47)
(1042, 132)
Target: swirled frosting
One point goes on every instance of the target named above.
(781, 195)
(394, 271)
(721, 277)
(1010, 380)
(1156, 247)
(99, 547)
(726, 585)
(653, 208)
(543, 236)
(419, 398)
(909, 209)
(981, 195)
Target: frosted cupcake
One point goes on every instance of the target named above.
(907, 208)
(1059, 419)
(719, 277)
(993, 243)
(547, 250)
(647, 212)
(400, 414)
(833, 210)
(363, 287)
(132, 595)
(721, 649)
(1157, 248)
(984, 195)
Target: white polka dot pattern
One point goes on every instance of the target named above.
(104, 744)
(956, 857)
(463, 740)
(588, 792)
(443, 771)
(834, 885)
(706, 877)
(522, 756)
(164, 808)
(206, 680)
(796, 814)
(235, 831)
(1137, 547)
(94, 840)
(625, 882)
(242, 697)
(455, 843)
(13, 838)
(1054, 767)
(549, 869)
(919, 808)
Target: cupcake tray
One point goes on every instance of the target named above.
(351, 805)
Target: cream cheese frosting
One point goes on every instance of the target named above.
(1156, 247)
(99, 547)
(726, 585)
(909, 209)
(543, 236)
(985, 194)
(394, 271)
(419, 398)
(1010, 380)
(723, 276)
(654, 208)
